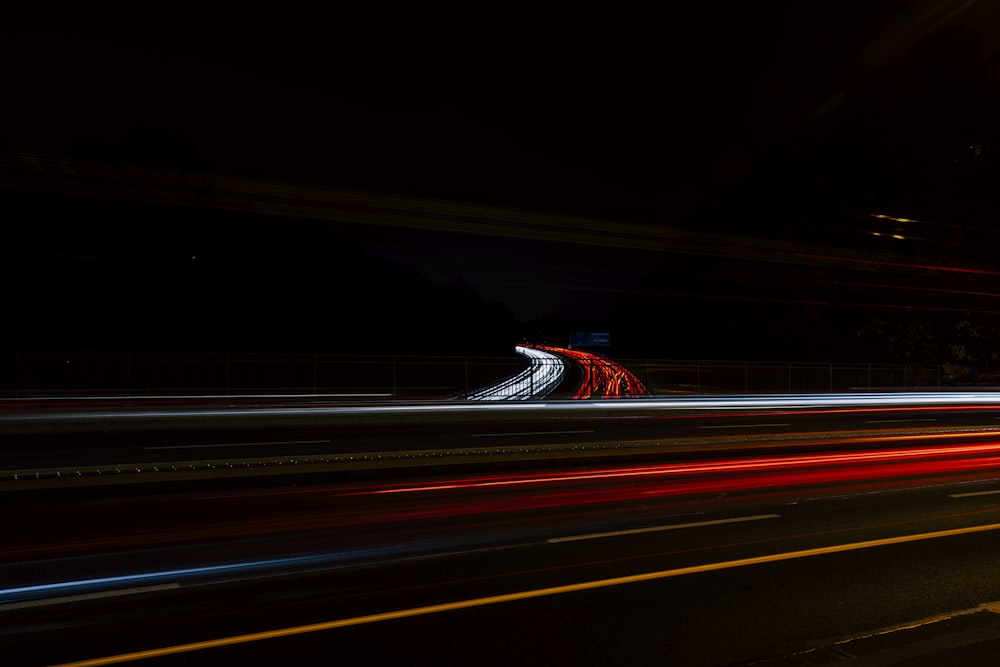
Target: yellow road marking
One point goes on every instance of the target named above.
(522, 595)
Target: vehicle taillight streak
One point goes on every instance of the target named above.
(190, 518)
(602, 378)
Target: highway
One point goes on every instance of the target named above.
(66, 442)
(718, 538)
(545, 372)
(601, 377)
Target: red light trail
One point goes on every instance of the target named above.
(602, 378)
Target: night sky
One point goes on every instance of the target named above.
(787, 123)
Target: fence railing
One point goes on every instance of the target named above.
(28, 374)
(69, 373)
(699, 377)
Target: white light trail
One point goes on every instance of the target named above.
(544, 374)
(862, 401)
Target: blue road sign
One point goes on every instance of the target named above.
(590, 339)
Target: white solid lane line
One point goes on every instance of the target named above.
(653, 529)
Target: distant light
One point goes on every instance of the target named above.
(897, 236)
(889, 217)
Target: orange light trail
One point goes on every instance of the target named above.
(733, 465)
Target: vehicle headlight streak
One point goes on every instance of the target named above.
(602, 378)
(957, 400)
(545, 373)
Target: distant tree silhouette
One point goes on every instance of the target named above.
(144, 144)
(114, 275)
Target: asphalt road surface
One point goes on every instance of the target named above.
(744, 550)
(51, 442)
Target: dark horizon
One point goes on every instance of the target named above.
(170, 283)
(733, 182)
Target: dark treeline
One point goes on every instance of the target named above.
(821, 315)
(102, 275)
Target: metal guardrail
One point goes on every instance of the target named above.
(68, 373)
(346, 376)
(700, 377)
